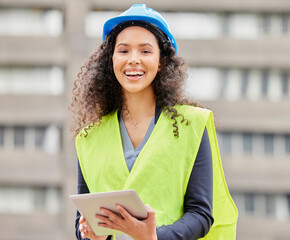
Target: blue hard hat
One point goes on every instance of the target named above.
(140, 12)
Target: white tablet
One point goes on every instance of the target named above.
(89, 205)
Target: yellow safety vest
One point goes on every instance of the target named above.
(161, 172)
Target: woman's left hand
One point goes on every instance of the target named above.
(137, 229)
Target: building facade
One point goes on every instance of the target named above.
(238, 57)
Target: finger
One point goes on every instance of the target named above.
(104, 219)
(112, 216)
(85, 235)
(107, 223)
(111, 226)
(83, 231)
(150, 210)
(82, 219)
(124, 213)
(86, 231)
(151, 215)
(81, 227)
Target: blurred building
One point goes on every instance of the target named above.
(238, 54)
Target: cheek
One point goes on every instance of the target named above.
(115, 64)
(155, 64)
(114, 61)
(118, 62)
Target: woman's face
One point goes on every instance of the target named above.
(136, 59)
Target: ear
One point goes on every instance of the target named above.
(160, 65)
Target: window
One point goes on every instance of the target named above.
(274, 92)
(9, 201)
(31, 22)
(1, 136)
(226, 143)
(203, 83)
(52, 140)
(224, 82)
(233, 84)
(19, 137)
(249, 203)
(95, 20)
(287, 144)
(266, 21)
(40, 198)
(265, 82)
(263, 205)
(233, 88)
(285, 84)
(269, 144)
(244, 26)
(247, 143)
(24, 138)
(285, 24)
(288, 203)
(225, 23)
(33, 199)
(31, 80)
(39, 136)
(254, 88)
(199, 25)
(274, 24)
(281, 208)
(270, 205)
(245, 82)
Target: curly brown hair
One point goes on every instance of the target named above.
(97, 92)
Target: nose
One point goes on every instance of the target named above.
(134, 58)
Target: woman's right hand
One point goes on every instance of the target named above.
(87, 232)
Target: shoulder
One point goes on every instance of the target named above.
(89, 130)
(193, 112)
(196, 118)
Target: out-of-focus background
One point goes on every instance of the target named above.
(238, 54)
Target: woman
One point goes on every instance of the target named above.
(135, 130)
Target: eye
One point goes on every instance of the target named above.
(122, 51)
(146, 51)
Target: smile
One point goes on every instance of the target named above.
(134, 73)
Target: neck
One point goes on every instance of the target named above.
(140, 106)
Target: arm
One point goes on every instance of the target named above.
(82, 188)
(197, 218)
(148, 223)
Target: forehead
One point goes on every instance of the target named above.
(136, 34)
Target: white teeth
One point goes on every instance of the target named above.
(133, 73)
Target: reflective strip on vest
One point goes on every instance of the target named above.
(104, 167)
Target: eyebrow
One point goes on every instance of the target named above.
(141, 45)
